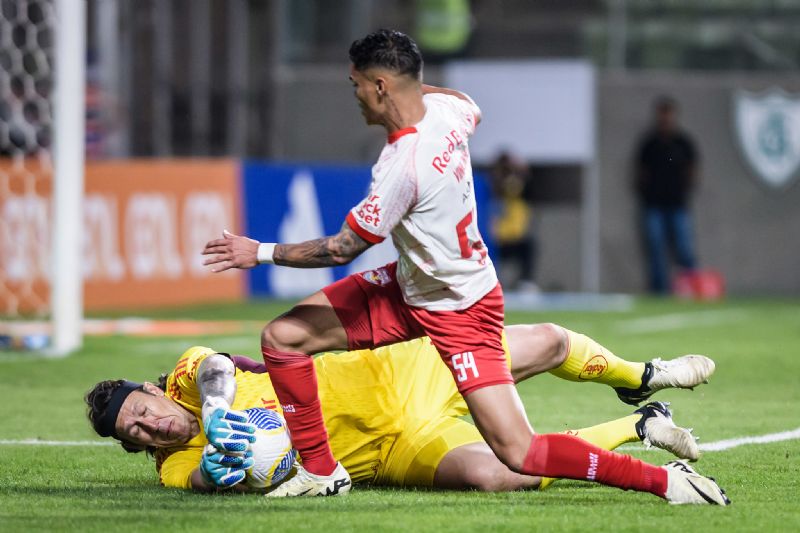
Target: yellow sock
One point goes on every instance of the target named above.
(608, 436)
(587, 360)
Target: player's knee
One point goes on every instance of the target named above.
(284, 336)
(554, 338)
(512, 455)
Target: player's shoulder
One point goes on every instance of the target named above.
(196, 352)
(190, 360)
(451, 104)
(440, 99)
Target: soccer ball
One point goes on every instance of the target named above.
(272, 451)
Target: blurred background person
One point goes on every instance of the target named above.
(666, 176)
(512, 217)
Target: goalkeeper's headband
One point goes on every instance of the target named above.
(107, 425)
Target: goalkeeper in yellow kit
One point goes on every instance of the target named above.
(393, 413)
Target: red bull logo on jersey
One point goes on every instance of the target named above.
(453, 140)
(594, 368)
(377, 277)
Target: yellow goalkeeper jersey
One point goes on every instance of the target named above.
(368, 398)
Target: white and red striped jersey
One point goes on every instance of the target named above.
(422, 194)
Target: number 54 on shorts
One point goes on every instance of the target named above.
(463, 362)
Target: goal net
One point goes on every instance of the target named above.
(42, 55)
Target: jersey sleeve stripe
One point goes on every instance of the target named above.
(361, 232)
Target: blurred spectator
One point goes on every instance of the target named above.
(511, 222)
(666, 173)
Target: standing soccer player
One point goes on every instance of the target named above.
(443, 285)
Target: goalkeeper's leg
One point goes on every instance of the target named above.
(551, 348)
(569, 355)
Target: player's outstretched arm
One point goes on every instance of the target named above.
(339, 249)
(237, 251)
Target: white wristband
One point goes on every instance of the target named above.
(265, 251)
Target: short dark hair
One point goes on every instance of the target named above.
(97, 402)
(388, 49)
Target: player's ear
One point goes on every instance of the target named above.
(152, 389)
(380, 86)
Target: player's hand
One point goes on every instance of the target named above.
(228, 431)
(224, 470)
(231, 251)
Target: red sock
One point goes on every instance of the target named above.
(295, 383)
(558, 455)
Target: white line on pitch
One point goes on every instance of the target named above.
(727, 444)
(37, 442)
(741, 441)
(716, 446)
(673, 321)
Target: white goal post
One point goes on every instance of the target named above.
(66, 280)
(42, 138)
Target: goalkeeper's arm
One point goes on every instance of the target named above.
(226, 430)
(216, 380)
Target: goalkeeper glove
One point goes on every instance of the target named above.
(224, 470)
(226, 430)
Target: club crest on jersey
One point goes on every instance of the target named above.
(768, 131)
(594, 368)
(378, 277)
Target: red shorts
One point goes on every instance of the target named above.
(372, 311)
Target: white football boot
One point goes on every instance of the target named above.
(683, 372)
(684, 485)
(657, 429)
(304, 483)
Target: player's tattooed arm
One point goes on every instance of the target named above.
(338, 249)
(238, 251)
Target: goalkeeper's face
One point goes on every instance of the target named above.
(148, 418)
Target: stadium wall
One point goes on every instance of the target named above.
(745, 228)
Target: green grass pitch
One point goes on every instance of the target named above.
(755, 391)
